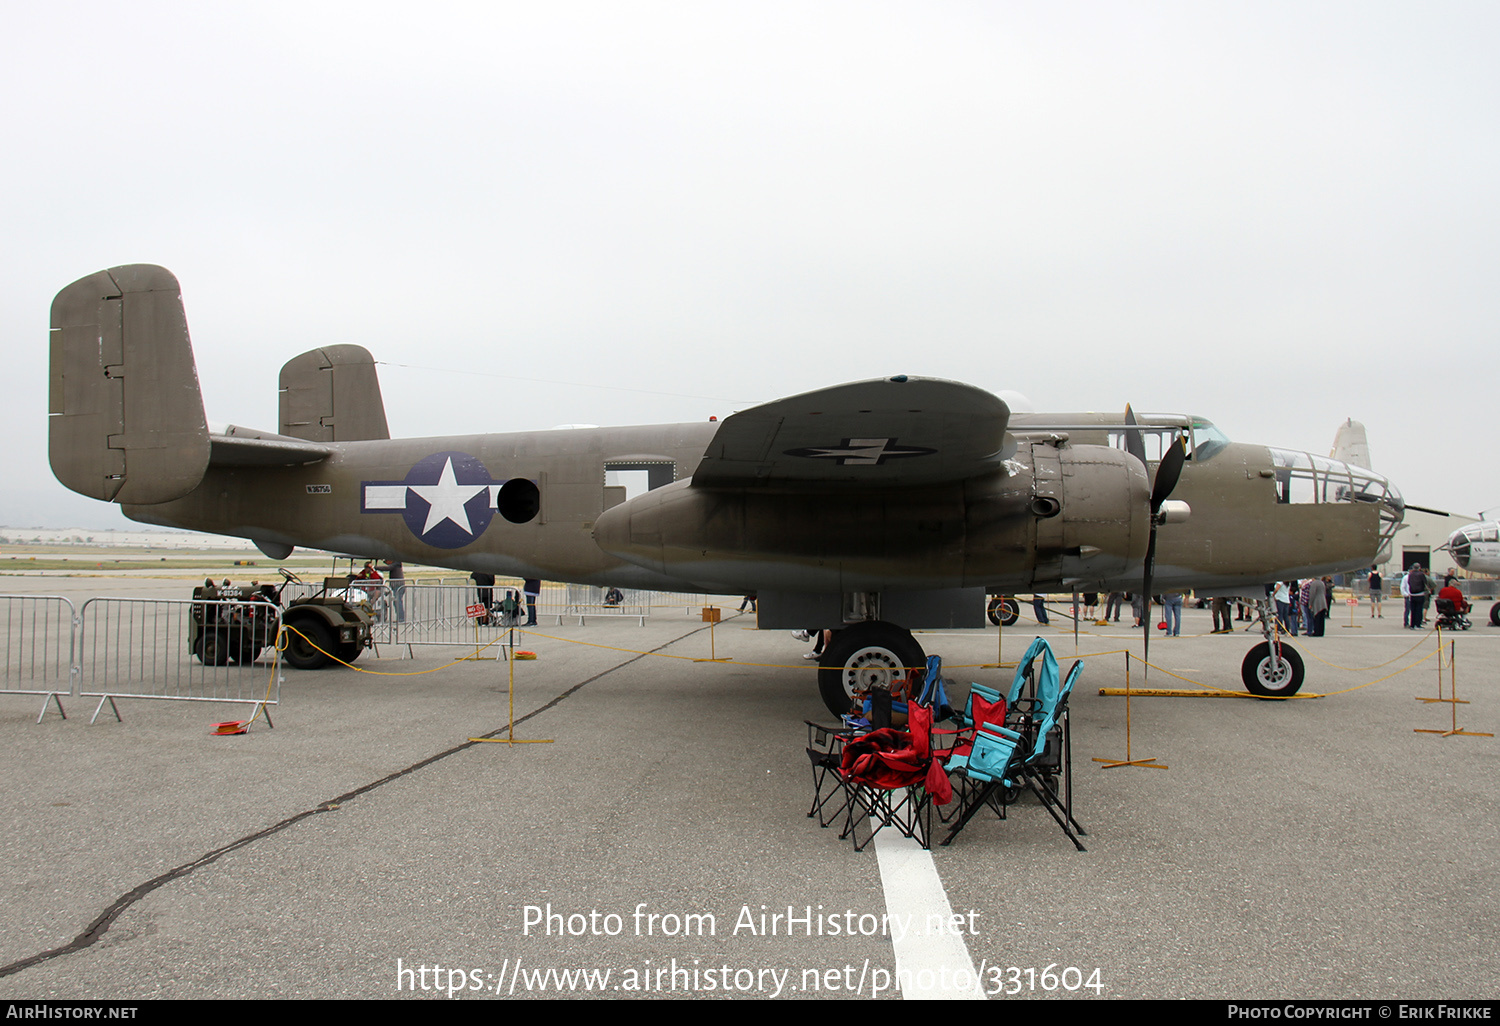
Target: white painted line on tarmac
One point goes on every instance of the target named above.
(930, 963)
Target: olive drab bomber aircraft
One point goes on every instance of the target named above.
(875, 507)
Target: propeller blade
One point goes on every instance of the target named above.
(1134, 444)
(1167, 473)
(1146, 625)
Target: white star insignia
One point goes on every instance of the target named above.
(446, 499)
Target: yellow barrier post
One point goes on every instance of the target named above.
(1149, 763)
(1453, 702)
(510, 732)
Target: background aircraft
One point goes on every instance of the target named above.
(1476, 548)
(880, 505)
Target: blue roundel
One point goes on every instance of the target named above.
(449, 499)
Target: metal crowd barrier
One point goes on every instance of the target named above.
(586, 600)
(37, 636)
(421, 612)
(434, 614)
(220, 651)
(113, 648)
(181, 649)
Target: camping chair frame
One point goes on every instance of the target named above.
(1040, 754)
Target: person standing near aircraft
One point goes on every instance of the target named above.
(1282, 596)
(1376, 585)
(1171, 605)
(485, 588)
(395, 575)
(1417, 588)
(1039, 607)
(1222, 624)
(1314, 607)
(533, 589)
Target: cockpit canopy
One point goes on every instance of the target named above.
(1157, 430)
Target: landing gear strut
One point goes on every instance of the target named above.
(1272, 669)
(865, 655)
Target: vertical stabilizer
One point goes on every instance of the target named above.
(125, 416)
(332, 394)
(1350, 445)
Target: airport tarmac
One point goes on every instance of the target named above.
(364, 849)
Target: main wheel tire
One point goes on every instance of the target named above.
(1495, 615)
(865, 655)
(302, 635)
(212, 648)
(1003, 611)
(1264, 679)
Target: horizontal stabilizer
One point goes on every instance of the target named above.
(125, 417)
(237, 447)
(888, 432)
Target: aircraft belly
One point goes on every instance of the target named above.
(828, 541)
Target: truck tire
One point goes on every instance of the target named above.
(309, 642)
(212, 648)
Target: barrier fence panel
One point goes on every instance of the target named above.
(586, 600)
(36, 647)
(193, 650)
(437, 614)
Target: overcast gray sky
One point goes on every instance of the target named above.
(1276, 215)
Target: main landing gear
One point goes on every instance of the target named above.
(1272, 669)
(865, 655)
(1003, 611)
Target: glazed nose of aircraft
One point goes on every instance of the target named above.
(1476, 547)
(1304, 477)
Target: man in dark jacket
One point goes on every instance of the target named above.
(1418, 585)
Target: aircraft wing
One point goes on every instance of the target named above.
(897, 431)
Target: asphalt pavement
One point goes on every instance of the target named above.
(365, 848)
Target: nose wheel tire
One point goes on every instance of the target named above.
(873, 654)
(1266, 678)
(1495, 615)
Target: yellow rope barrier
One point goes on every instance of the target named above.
(281, 642)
